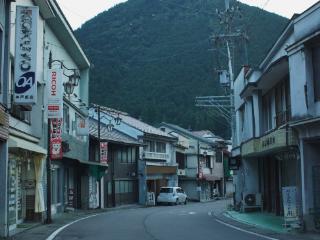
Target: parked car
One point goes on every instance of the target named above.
(172, 195)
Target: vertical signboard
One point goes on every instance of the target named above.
(290, 209)
(56, 138)
(25, 89)
(104, 152)
(55, 93)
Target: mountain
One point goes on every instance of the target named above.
(151, 58)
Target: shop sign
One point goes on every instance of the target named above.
(25, 90)
(104, 152)
(289, 197)
(56, 138)
(70, 197)
(82, 128)
(276, 139)
(55, 93)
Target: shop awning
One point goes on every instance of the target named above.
(93, 163)
(15, 142)
(210, 177)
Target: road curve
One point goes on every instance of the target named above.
(183, 222)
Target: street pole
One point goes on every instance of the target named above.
(48, 165)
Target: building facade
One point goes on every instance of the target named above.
(120, 181)
(47, 43)
(156, 163)
(4, 116)
(200, 163)
(275, 143)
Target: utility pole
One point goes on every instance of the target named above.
(225, 104)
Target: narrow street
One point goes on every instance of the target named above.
(187, 222)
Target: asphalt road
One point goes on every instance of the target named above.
(193, 221)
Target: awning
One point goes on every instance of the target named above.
(15, 142)
(210, 177)
(93, 163)
(161, 169)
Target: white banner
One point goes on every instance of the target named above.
(55, 93)
(25, 90)
(82, 128)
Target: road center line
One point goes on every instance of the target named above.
(246, 231)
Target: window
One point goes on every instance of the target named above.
(124, 154)
(218, 156)
(316, 71)
(282, 102)
(152, 147)
(66, 119)
(134, 150)
(267, 111)
(20, 113)
(161, 147)
(208, 161)
(181, 159)
(166, 190)
(1, 60)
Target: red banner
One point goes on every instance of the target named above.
(104, 152)
(56, 138)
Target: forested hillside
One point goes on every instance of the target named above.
(151, 58)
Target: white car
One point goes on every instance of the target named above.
(172, 195)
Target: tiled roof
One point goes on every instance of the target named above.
(133, 122)
(144, 127)
(186, 132)
(113, 136)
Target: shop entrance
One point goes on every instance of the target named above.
(316, 195)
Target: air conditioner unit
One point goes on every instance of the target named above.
(181, 172)
(251, 201)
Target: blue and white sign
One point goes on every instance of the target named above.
(25, 89)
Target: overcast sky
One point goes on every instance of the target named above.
(79, 11)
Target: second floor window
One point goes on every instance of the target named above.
(126, 154)
(267, 111)
(153, 146)
(316, 71)
(66, 119)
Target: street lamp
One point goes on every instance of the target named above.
(73, 80)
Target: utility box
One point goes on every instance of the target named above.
(224, 78)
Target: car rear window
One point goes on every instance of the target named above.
(166, 190)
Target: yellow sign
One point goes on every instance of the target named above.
(273, 140)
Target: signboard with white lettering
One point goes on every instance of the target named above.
(55, 93)
(25, 89)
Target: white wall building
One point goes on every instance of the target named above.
(277, 118)
(28, 138)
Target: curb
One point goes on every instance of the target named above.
(256, 229)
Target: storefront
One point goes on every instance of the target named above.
(270, 163)
(26, 181)
(161, 176)
(309, 136)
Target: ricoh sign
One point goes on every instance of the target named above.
(55, 94)
(25, 90)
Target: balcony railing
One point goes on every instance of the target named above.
(156, 156)
(283, 117)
